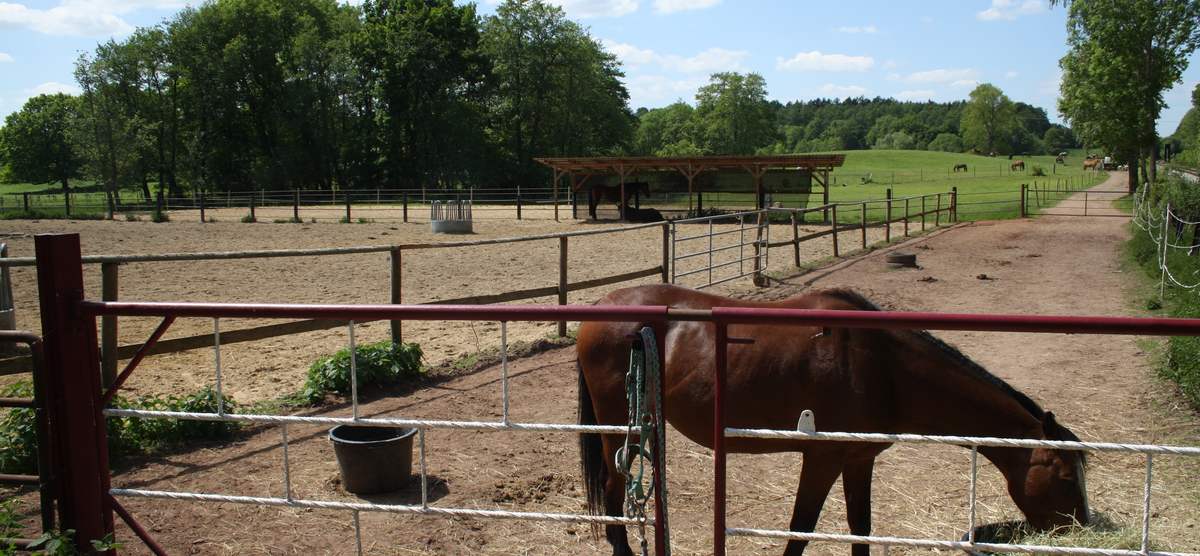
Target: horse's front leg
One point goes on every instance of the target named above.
(856, 486)
(817, 476)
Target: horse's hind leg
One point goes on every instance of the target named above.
(614, 500)
(816, 478)
(856, 486)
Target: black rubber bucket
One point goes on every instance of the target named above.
(373, 460)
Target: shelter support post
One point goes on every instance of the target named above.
(562, 281)
(795, 240)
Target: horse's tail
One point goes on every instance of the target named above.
(591, 452)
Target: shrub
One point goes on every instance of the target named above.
(132, 217)
(946, 142)
(377, 364)
(1037, 170)
(126, 436)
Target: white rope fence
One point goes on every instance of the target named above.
(1166, 228)
(974, 443)
(421, 425)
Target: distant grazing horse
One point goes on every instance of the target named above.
(958, 167)
(853, 379)
(1018, 165)
(1091, 164)
(1060, 159)
(612, 193)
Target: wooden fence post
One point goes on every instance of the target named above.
(834, 227)
(937, 213)
(562, 281)
(922, 213)
(394, 257)
(666, 252)
(1021, 202)
(202, 219)
(347, 206)
(67, 202)
(863, 225)
(296, 205)
(954, 204)
(518, 202)
(795, 240)
(109, 288)
(906, 217)
(404, 200)
(25, 201)
(887, 220)
(73, 391)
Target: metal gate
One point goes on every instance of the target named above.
(712, 250)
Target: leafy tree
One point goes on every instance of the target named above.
(557, 91)
(946, 142)
(988, 120)
(36, 142)
(898, 140)
(670, 125)
(733, 113)
(1122, 57)
(1059, 138)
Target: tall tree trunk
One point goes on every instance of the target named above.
(1154, 163)
(1133, 175)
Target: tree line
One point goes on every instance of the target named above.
(282, 94)
(733, 116)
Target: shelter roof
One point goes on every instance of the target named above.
(686, 164)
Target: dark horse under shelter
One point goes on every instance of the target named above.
(853, 379)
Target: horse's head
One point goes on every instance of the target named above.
(1053, 492)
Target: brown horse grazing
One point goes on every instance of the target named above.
(612, 193)
(958, 167)
(1091, 164)
(854, 379)
(1018, 165)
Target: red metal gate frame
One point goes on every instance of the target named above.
(76, 404)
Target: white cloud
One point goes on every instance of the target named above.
(672, 6)
(843, 91)
(86, 18)
(648, 90)
(1009, 10)
(966, 83)
(5, 57)
(707, 61)
(596, 8)
(890, 64)
(942, 75)
(817, 61)
(854, 30)
(1010, 74)
(919, 94)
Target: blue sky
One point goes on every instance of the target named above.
(915, 50)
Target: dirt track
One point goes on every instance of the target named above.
(1100, 386)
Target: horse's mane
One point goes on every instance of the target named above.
(965, 363)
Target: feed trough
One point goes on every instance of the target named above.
(373, 459)
(899, 259)
(450, 217)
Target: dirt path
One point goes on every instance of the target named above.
(1100, 386)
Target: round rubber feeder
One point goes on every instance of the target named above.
(902, 259)
(373, 459)
(999, 533)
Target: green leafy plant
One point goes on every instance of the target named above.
(1037, 170)
(132, 217)
(126, 436)
(376, 364)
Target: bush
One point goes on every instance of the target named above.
(1036, 170)
(377, 364)
(946, 142)
(132, 217)
(159, 217)
(126, 436)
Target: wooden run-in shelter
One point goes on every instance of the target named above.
(582, 170)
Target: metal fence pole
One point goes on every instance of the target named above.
(666, 252)
(73, 391)
(109, 288)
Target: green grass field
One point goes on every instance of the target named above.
(988, 190)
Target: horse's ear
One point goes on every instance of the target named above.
(1049, 425)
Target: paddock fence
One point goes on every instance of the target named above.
(79, 402)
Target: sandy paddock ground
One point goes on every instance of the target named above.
(1100, 386)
